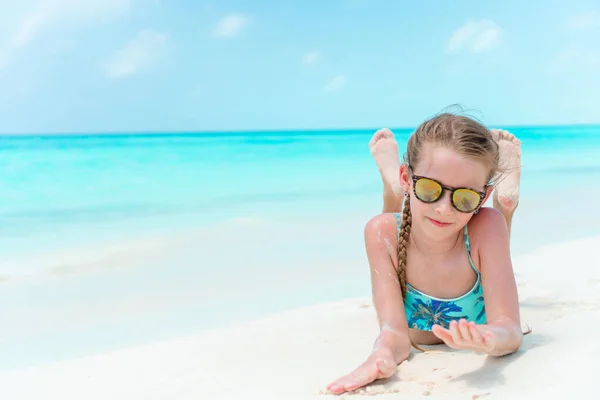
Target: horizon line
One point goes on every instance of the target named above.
(270, 130)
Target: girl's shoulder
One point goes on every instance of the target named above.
(384, 224)
(486, 227)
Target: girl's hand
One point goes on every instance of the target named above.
(379, 365)
(468, 336)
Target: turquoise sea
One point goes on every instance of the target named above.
(119, 239)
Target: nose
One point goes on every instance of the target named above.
(444, 205)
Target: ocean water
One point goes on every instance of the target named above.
(114, 240)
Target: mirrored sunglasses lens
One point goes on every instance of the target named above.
(427, 190)
(466, 200)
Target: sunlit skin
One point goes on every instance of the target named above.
(437, 262)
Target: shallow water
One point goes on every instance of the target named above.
(110, 241)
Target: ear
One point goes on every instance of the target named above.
(405, 179)
(488, 193)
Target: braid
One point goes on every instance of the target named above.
(403, 237)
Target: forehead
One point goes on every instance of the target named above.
(450, 168)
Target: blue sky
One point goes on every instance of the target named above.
(158, 65)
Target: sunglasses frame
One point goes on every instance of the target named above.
(415, 178)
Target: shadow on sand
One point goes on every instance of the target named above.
(491, 372)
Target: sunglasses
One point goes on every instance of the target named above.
(429, 190)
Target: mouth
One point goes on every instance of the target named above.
(438, 223)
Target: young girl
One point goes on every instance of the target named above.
(441, 270)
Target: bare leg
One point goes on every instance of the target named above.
(384, 149)
(506, 193)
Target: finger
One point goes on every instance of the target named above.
(353, 379)
(340, 385)
(386, 367)
(337, 386)
(445, 335)
(335, 389)
(440, 331)
(464, 330)
(489, 339)
(361, 377)
(475, 334)
(456, 336)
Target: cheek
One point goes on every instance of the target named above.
(463, 218)
(417, 207)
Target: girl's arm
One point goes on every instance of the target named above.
(381, 239)
(498, 280)
(501, 334)
(392, 345)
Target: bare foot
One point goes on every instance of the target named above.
(384, 149)
(379, 365)
(506, 193)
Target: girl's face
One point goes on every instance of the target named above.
(440, 219)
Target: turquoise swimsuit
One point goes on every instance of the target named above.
(423, 311)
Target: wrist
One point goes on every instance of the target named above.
(508, 339)
(398, 343)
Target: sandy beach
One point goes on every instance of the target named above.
(295, 354)
(185, 187)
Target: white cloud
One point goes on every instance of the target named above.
(46, 13)
(336, 83)
(29, 27)
(310, 58)
(585, 20)
(141, 52)
(231, 25)
(475, 37)
(30, 20)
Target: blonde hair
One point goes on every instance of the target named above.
(459, 133)
(462, 134)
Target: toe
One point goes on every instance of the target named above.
(375, 138)
(510, 136)
(386, 133)
(380, 134)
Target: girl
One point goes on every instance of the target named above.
(441, 270)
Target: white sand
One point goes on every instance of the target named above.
(294, 355)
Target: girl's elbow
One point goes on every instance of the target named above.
(510, 338)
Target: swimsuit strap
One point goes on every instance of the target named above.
(468, 246)
(465, 238)
(398, 223)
